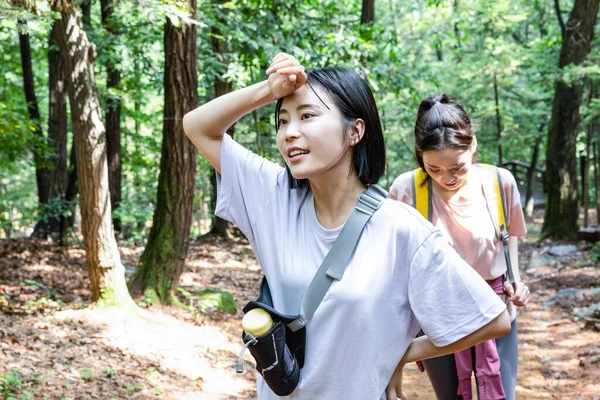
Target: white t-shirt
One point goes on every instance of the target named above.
(403, 276)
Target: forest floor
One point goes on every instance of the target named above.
(54, 346)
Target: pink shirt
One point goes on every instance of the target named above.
(469, 226)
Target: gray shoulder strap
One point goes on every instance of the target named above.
(333, 266)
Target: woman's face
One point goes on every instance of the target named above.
(310, 136)
(448, 167)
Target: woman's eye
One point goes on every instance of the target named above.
(282, 121)
(307, 116)
(434, 171)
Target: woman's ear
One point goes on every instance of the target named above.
(356, 131)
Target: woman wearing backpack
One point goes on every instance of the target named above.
(330, 138)
(461, 201)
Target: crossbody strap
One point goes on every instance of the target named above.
(333, 266)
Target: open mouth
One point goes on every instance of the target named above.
(297, 155)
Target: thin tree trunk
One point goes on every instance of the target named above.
(41, 173)
(219, 226)
(113, 115)
(597, 181)
(57, 130)
(163, 259)
(585, 201)
(561, 172)
(107, 274)
(86, 13)
(67, 223)
(368, 12)
(498, 120)
(593, 132)
(529, 198)
(559, 17)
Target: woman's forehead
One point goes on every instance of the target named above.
(306, 96)
(446, 157)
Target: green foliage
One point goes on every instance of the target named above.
(413, 50)
(209, 299)
(594, 254)
(87, 375)
(10, 383)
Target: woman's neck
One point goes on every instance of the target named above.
(335, 199)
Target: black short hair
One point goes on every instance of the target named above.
(354, 99)
(441, 123)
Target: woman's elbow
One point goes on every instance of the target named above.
(501, 325)
(186, 124)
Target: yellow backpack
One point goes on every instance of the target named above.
(490, 176)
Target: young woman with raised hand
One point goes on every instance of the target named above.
(402, 276)
(446, 150)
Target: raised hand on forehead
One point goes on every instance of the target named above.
(286, 75)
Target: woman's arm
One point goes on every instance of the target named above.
(422, 348)
(206, 124)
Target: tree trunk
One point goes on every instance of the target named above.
(41, 169)
(67, 223)
(113, 115)
(597, 180)
(107, 274)
(585, 198)
(593, 134)
(498, 120)
(86, 13)
(529, 199)
(561, 167)
(368, 12)
(163, 259)
(219, 226)
(57, 131)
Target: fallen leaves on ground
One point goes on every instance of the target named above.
(53, 345)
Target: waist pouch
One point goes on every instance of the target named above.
(279, 353)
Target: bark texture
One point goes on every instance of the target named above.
(107, 274)
(561, 166)
(163, 259)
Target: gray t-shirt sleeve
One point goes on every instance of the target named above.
(448, 298)
(245, 186)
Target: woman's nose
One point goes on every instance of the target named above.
(291, 131)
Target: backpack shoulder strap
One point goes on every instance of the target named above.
(421, 187)
(491, 177)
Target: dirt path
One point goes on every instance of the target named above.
(52, 346)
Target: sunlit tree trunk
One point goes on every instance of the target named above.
(561, 166)
(163, 259)
(107, 274)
